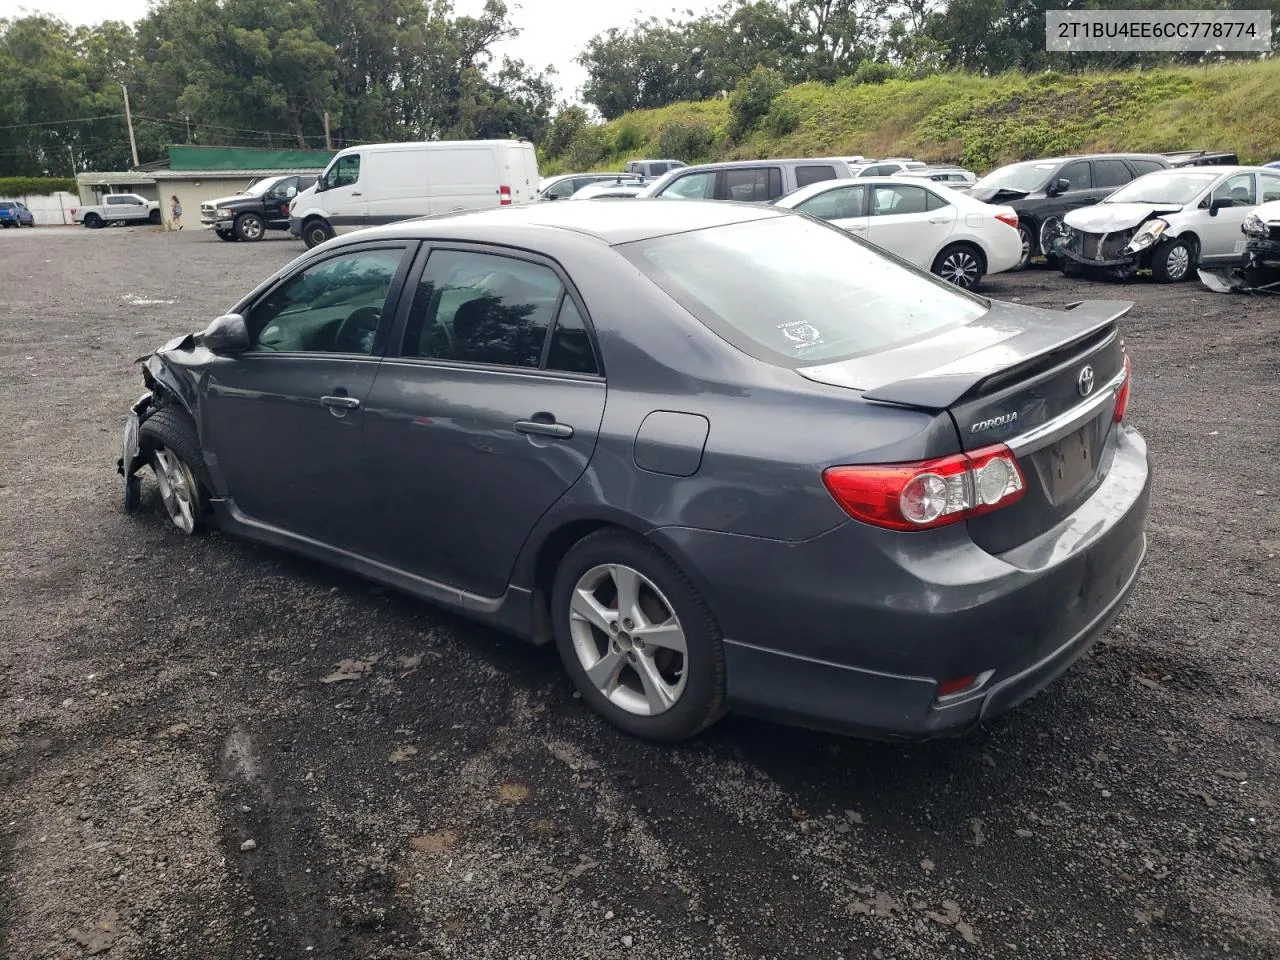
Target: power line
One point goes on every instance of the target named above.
(56, 123)
(218, 126)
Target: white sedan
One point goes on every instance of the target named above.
(1169, 221)
(948, 233)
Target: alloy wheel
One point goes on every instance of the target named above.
(1178, 262)
(176, 488)
(960, 267)
(251, 228)
(628, 639)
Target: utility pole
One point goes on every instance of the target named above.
(128, 119)
(328, 144)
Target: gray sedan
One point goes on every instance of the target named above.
(721, 455)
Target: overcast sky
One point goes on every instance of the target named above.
(552, 32)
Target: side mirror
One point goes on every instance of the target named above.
(227, 335)
(1061, 185)
(1220, 203)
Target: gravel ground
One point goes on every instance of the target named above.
(179, 780)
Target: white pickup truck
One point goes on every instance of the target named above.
(117, 208)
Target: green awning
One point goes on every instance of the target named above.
(245, 158)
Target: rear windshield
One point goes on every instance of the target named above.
(796, 293)
(6, 205)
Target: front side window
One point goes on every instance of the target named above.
(692, 186)
(1077, 175)
(482, 308)
(1238, 189)
(793, 292)
(843, 203)
(1270, 183)
(344, 172)
(563, 189)
(331, 307)
(897, 199)
(814, 173)
(753, 185)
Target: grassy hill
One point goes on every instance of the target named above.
(978, 121)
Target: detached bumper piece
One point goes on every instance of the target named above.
(1260, 272)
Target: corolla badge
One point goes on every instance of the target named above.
(1001, 421)
(1084, 382)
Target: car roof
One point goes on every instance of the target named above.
(1216, 169)
(611, 223)
(733, 164)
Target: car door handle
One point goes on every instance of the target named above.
(341, 403)
(543, 428)
(939, 219)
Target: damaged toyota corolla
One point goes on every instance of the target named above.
(1169, 222)
(721, 456)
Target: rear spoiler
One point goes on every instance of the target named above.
(1060, 332)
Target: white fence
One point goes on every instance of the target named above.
(51, 210)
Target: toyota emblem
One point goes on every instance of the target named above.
(1084, 382)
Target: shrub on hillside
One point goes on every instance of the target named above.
(588, 147)
(752, 98)
(872, 71)
(568, 123)
(628, 138)
(783, 118)
(686, 140)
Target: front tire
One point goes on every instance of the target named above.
(225, 235)
(1173, 261)
(960, 264)
(637, 639)
(249, 227)
(316, 232)
(169, 440)
(153, 218)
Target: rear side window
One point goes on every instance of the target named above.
(658, 169)
(898, 199)
(1110, 173)
(814, 173)
(570, 347)
(1145, 166)
(795, 293)
(482, 308)
(753, 185)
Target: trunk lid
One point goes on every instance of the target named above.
(1042, 380)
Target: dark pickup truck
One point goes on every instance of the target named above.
(263, 206)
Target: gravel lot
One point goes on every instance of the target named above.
(164, 704)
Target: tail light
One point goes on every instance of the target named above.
(504, 196)
(1122, 396)
(1008, 216)
(928, 493)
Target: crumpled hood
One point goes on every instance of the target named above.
(1110, 217)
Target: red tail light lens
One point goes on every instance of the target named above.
(1009, 217)
(504, 196)
(1122, 397)
(928, 493)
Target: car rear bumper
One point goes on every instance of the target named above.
(854, 630)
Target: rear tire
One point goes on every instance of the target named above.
(1173, 261)
(315, 232)
(1028, 246)
(643, 683)
(249, 227)
(961, 264)
(93, 221)
(168, 438)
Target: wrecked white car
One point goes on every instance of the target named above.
(1260, 270)
(1169, 222)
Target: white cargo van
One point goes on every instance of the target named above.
(385, 182)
